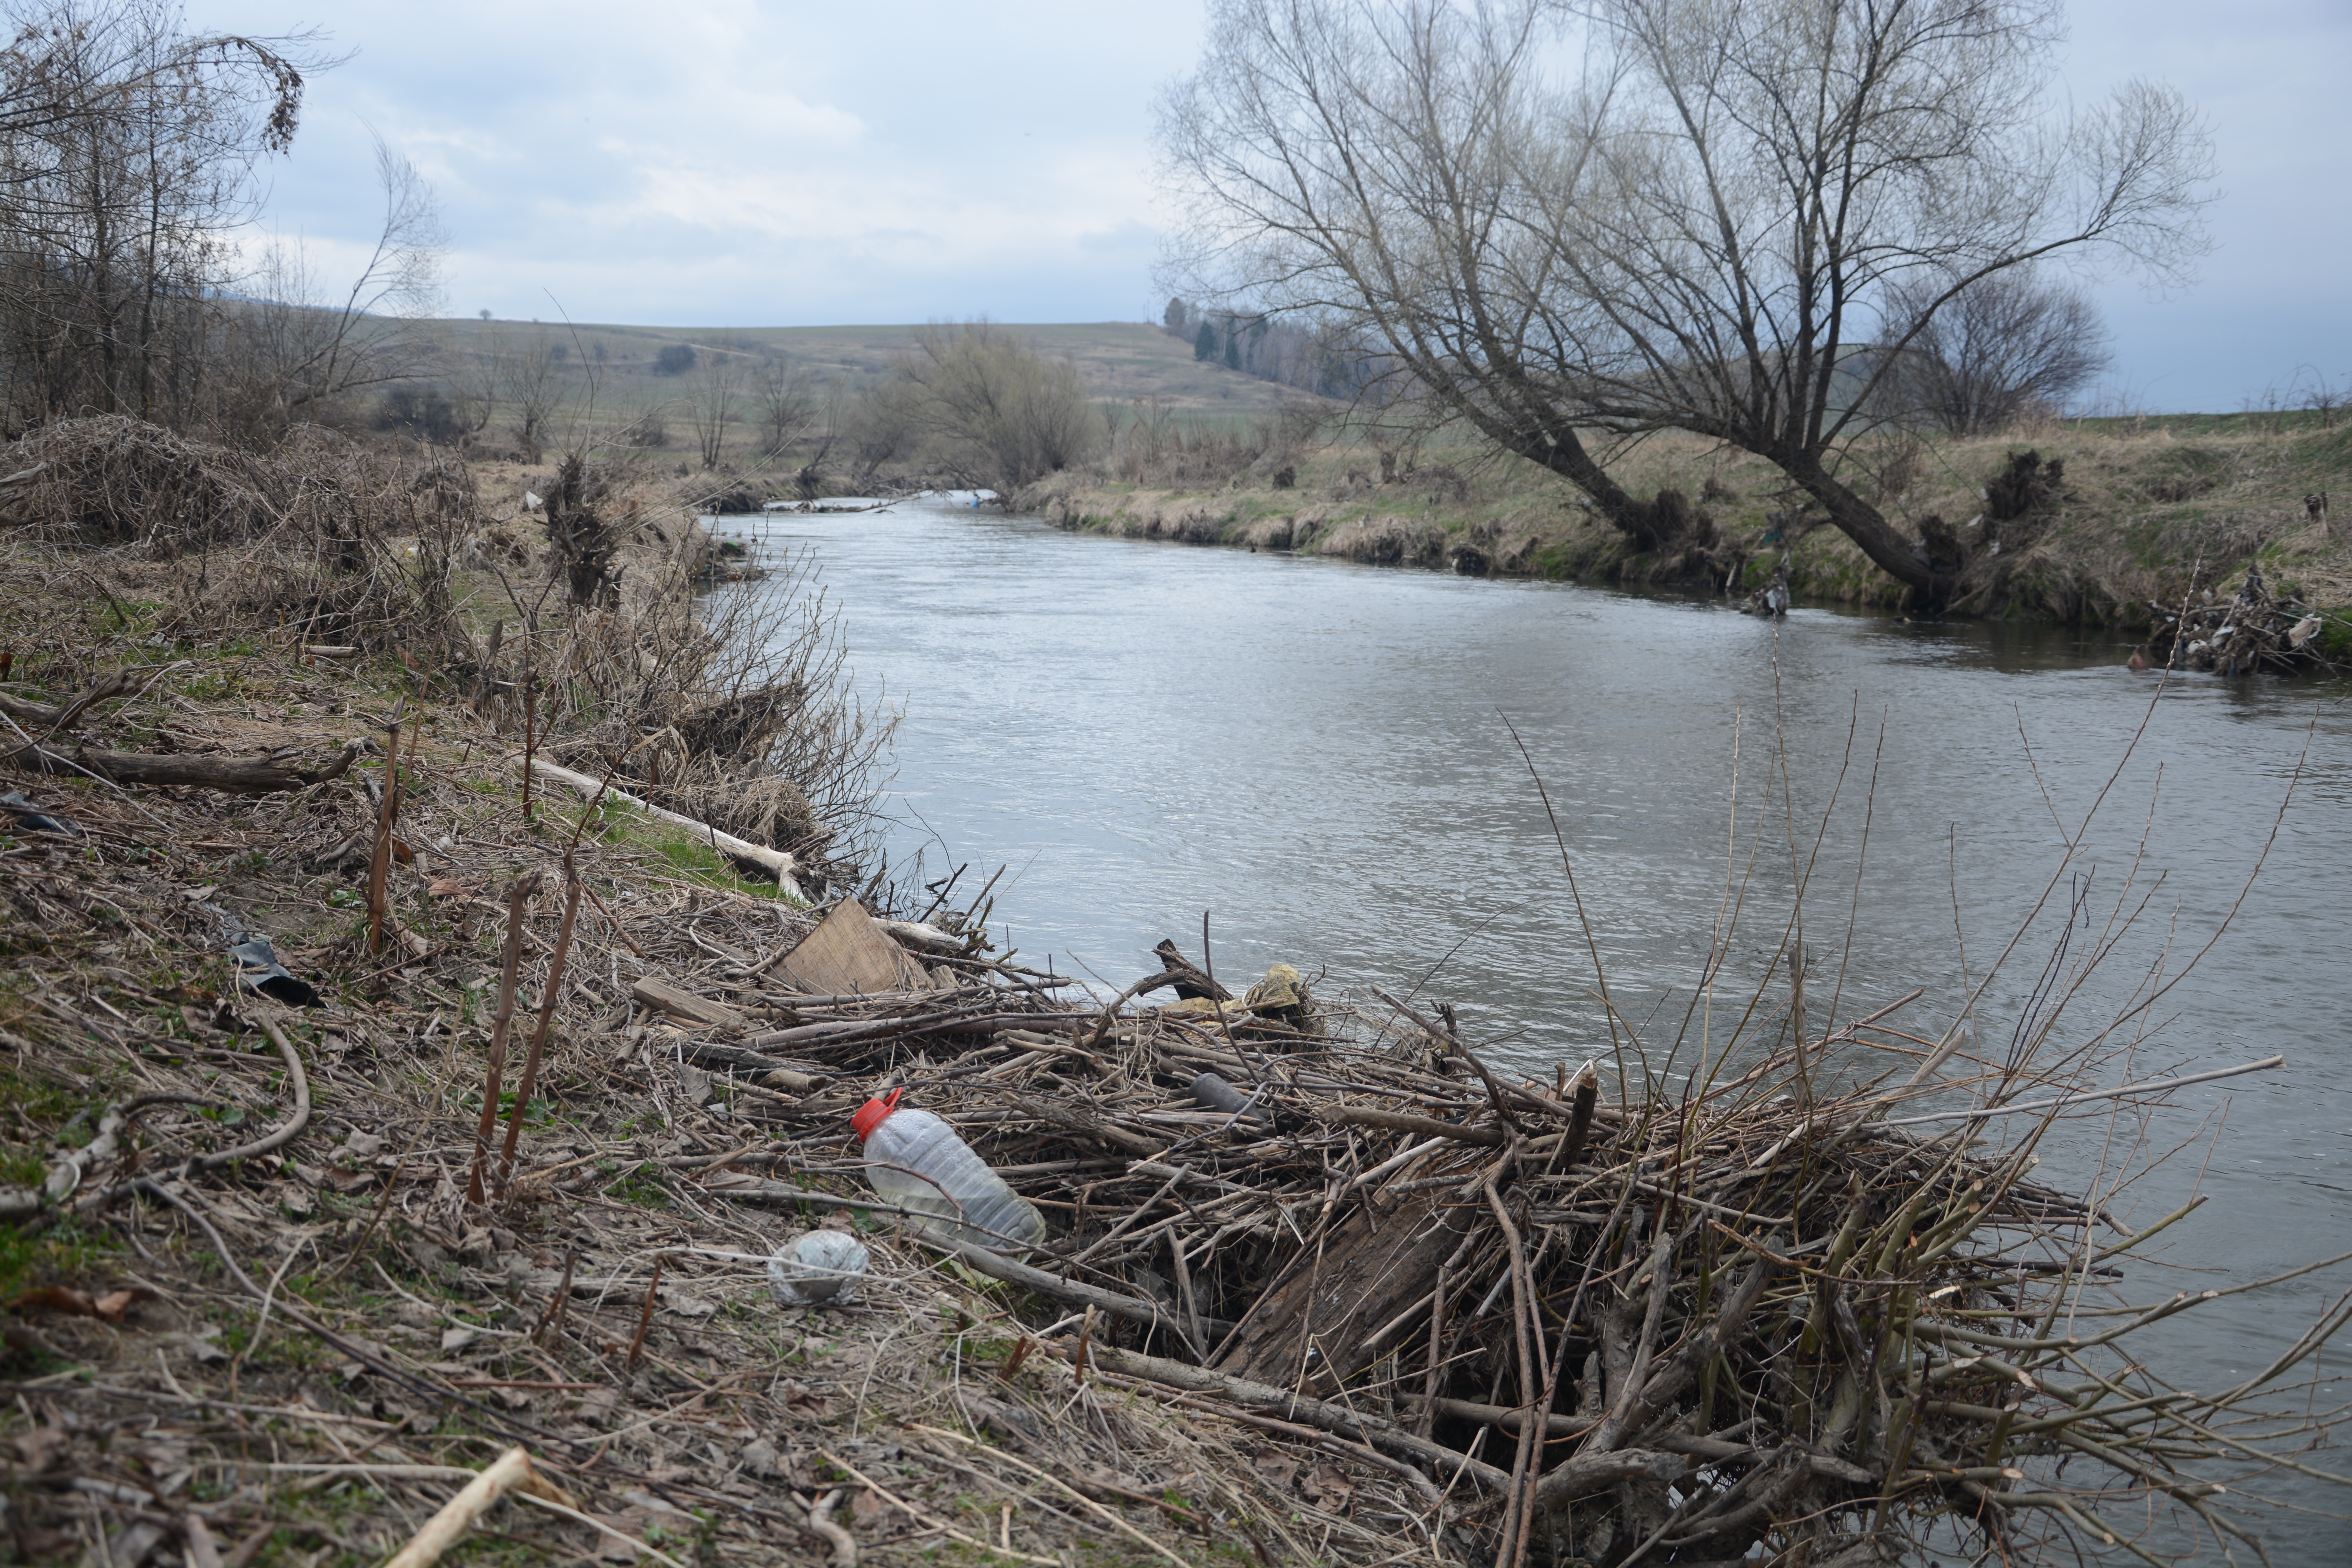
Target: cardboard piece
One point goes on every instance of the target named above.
(849, 953)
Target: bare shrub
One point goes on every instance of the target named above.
(586, 523)
(998, 413)
(735, 707)
(1157, 447)
(330, 541)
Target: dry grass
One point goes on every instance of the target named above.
(2147, 501)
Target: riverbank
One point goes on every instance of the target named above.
(2139, 508)
(261, 1312)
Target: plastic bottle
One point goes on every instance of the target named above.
(917, 1161)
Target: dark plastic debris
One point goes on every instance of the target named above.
(35, 820)
(1218, 1095)
(259, 970)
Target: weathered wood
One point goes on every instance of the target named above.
(1332, 1302)
(238, 775)
(61, 716)
(849, 953)
(1405, 1121)
(775, 862)
(655, 991)
(1193, 984)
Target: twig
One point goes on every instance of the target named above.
(511, 1473)
(518, 895)
(548, 998)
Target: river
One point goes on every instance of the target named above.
(1321, 757)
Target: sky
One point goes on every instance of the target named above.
(722, 162)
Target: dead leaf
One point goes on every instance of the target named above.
(57, 1299)
(630, 1522)
(39, 1448)
(448, 888)
(114, 1303)
(1278, 1471)
(1329, 1485)
(866, 1508)
(684, 1305)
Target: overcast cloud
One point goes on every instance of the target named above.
(735, 164)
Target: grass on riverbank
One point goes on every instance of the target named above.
(2145, 502)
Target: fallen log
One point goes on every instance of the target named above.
(775, 862)
(61, 715)
(237, 775)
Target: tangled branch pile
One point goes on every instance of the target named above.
(2253, 631)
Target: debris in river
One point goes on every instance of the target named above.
(1743, 1320)
(2254, 631)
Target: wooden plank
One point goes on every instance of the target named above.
(684, 1004)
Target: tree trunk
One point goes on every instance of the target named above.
(240, 775)
(1862, 522)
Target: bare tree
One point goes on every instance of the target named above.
(883, 422)
(1979, 358)
(531, 383)
(2326, 397)
(711, 402)
(786, 395)
(127, 150)
(292, 353)
(1698, 232)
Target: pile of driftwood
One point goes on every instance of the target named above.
(1576, 1326)
(2252, 631)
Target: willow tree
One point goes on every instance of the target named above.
(1571, 223)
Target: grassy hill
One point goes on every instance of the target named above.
(615, 369)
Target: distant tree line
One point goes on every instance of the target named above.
(1323, 360)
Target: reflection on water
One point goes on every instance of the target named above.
(1318, 753)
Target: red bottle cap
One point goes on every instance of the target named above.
(870, 1114)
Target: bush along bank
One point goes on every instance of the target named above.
(2091, 524)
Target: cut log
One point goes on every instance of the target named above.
(238, 775)
(775, 862)
(1331, 1303)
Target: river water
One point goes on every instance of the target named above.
(1321, 757)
